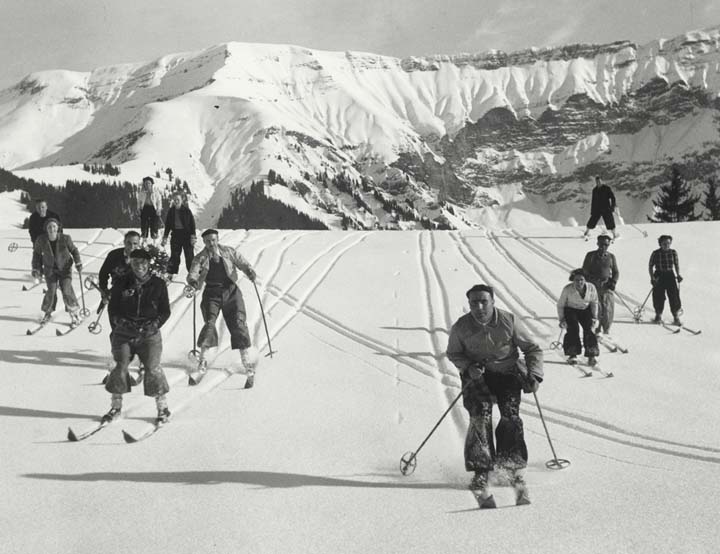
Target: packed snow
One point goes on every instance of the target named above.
(308, 460)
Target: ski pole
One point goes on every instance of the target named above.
(558, 343)
(408, 462)
(194, 352)
(638, 313)
(84, 312)
(271, 352)
(555, 463)
(95, 327)
(628, 307)
(644, 233)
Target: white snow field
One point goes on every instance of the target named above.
(308, 460)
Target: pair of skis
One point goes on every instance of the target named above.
(586, 369)
(58, 332)
(675, 329)
(129, 438)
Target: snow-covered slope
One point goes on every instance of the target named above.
(456, 128)
(308, 460)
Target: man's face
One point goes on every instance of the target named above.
(665, 244)
(177, 200)
(482, 305)
(131, 243)
(603, 245)
(211, 242)
(41, 208)
(140, 267)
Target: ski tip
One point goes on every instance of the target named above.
(28, 332)
(128, 437)
(24, 288)
(610, 375)
(71, 436)
(58, 333)
(191, 382)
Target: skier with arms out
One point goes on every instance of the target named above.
(602, 205)
(53, 256)
(138, 308)
(601, 269)
(664, 280)
(216, 266)
(484, 346)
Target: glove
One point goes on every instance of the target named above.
(563, 324)
(78, 267)
(193, 240)
(531, 384)
(594, 323)
(189, 291)
(251, 274)
(679, 278)
(475, 371)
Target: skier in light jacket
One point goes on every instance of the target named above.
(578, 307)
(484, 345)
(149, 206)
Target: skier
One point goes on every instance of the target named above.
(578, 307)
(138, 308)
(36, 222)
(181, 223)
(484, 345)
(53, 256)
(114, 268)
(149, 206)
(600, 267)
(602, 205)
(664, 280)
(215, 265)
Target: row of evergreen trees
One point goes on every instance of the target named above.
(675, 201)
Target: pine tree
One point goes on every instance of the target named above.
(712, 202)
(674, 202)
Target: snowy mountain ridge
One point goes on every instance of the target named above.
(428, 133)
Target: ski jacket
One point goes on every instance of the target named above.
(155, 199)
(231, 259)
(45, 261)
(494, 345)
(601, 269)
(36, 224)
(139, 303)
(115, 266)
(186, 217)
(603, 200)
(570, 298)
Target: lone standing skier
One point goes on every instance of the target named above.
(664, 280)
(484, 346)
(216, 266)
(149, 206)
(578, 307)
(181, 223)
(138, 308)
(602, 205)
(53, 256)
(601, 269)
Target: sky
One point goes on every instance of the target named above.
(84, 34)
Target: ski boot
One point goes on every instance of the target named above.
(522, 497)
(572, 360)
(658, 318)
(113, 414)
(250, 379)
(196, 376)
(479, 488)
(163, 416)
(74, 319)
(46, 318)
(248, 360)
(592, 361)
(676, 320)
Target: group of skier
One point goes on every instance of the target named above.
(137, 298)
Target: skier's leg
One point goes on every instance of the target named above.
(591, 223)
(188, 251)
(118, 382)
(479, 445)
(210, 306)
(175, 249)
(149, 350)
(571, 340)
(609, 310)
(658, 295)
(68, 294)
(673, 293)
(589, 338)
(233, 310)
(48, 303)
(512, 452)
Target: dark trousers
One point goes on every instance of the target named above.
(148, 221)
(180, 243)
(607, 217)
(481, 453)
(571, 342)
(229, 300)
(666, 284)
(126, 343)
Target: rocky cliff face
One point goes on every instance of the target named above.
(461, 140)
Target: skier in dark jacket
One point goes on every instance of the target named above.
(484, 346)
(664, 281)
(36, 223)
(138, 308)
(181, 223)
(601, 269)
(54, 254)
(602, 205)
